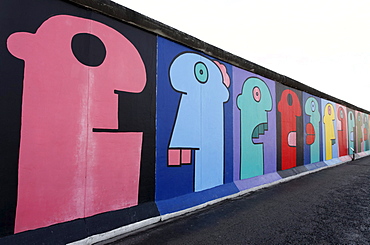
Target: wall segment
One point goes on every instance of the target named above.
(112, 118)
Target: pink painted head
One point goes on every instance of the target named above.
(66, 170)
(50, 52)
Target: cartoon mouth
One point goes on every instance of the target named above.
(340, 126)
(310, 131)
(352, 136)
(292, 139)
(178, 157)
(259, 130)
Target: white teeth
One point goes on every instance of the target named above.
(292, 139)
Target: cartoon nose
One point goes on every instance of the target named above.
(225, 75)
(101, 48)
(19, 42)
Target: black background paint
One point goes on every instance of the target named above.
(136, 113)
(300, 133)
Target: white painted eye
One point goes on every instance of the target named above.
(313, 106)
(329, 110)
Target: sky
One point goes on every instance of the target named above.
(324, 44)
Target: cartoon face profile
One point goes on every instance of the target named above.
(289, 107)
(199, 125)
(342, 131)
(312, 128)
(359, 126)
(254, 103)
(351, 132)
(69, 101)
(329, 117)
(366, 132)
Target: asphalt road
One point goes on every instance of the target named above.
(328, 207)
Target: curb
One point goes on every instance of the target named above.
(121, 232)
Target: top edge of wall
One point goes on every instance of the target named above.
(134, 18)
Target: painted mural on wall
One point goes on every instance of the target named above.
(81, 151)
(84, 109)
(330, 138)
(312, 129)
(366, 132)
(102, 117)
(254, 125)
(351, 131)
(192, 92)
(289, 127)
(342, 130)
(360, 131)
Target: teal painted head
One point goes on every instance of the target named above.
(254, 103)
(351, 129)
(313, 128)
(312, 110)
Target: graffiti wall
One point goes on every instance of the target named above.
(254, 125)
(106, 124)
(78, 102)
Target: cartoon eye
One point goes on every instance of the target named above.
(329, 110)
(88, 49)
(313, 106)
(256, 94)
(290, 99)
(201, 72)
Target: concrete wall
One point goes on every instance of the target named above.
(107, 123)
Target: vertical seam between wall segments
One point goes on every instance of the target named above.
(87, 128)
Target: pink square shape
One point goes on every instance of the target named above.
(174, 157)
(186, 156)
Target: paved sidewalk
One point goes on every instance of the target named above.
(328, 207)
